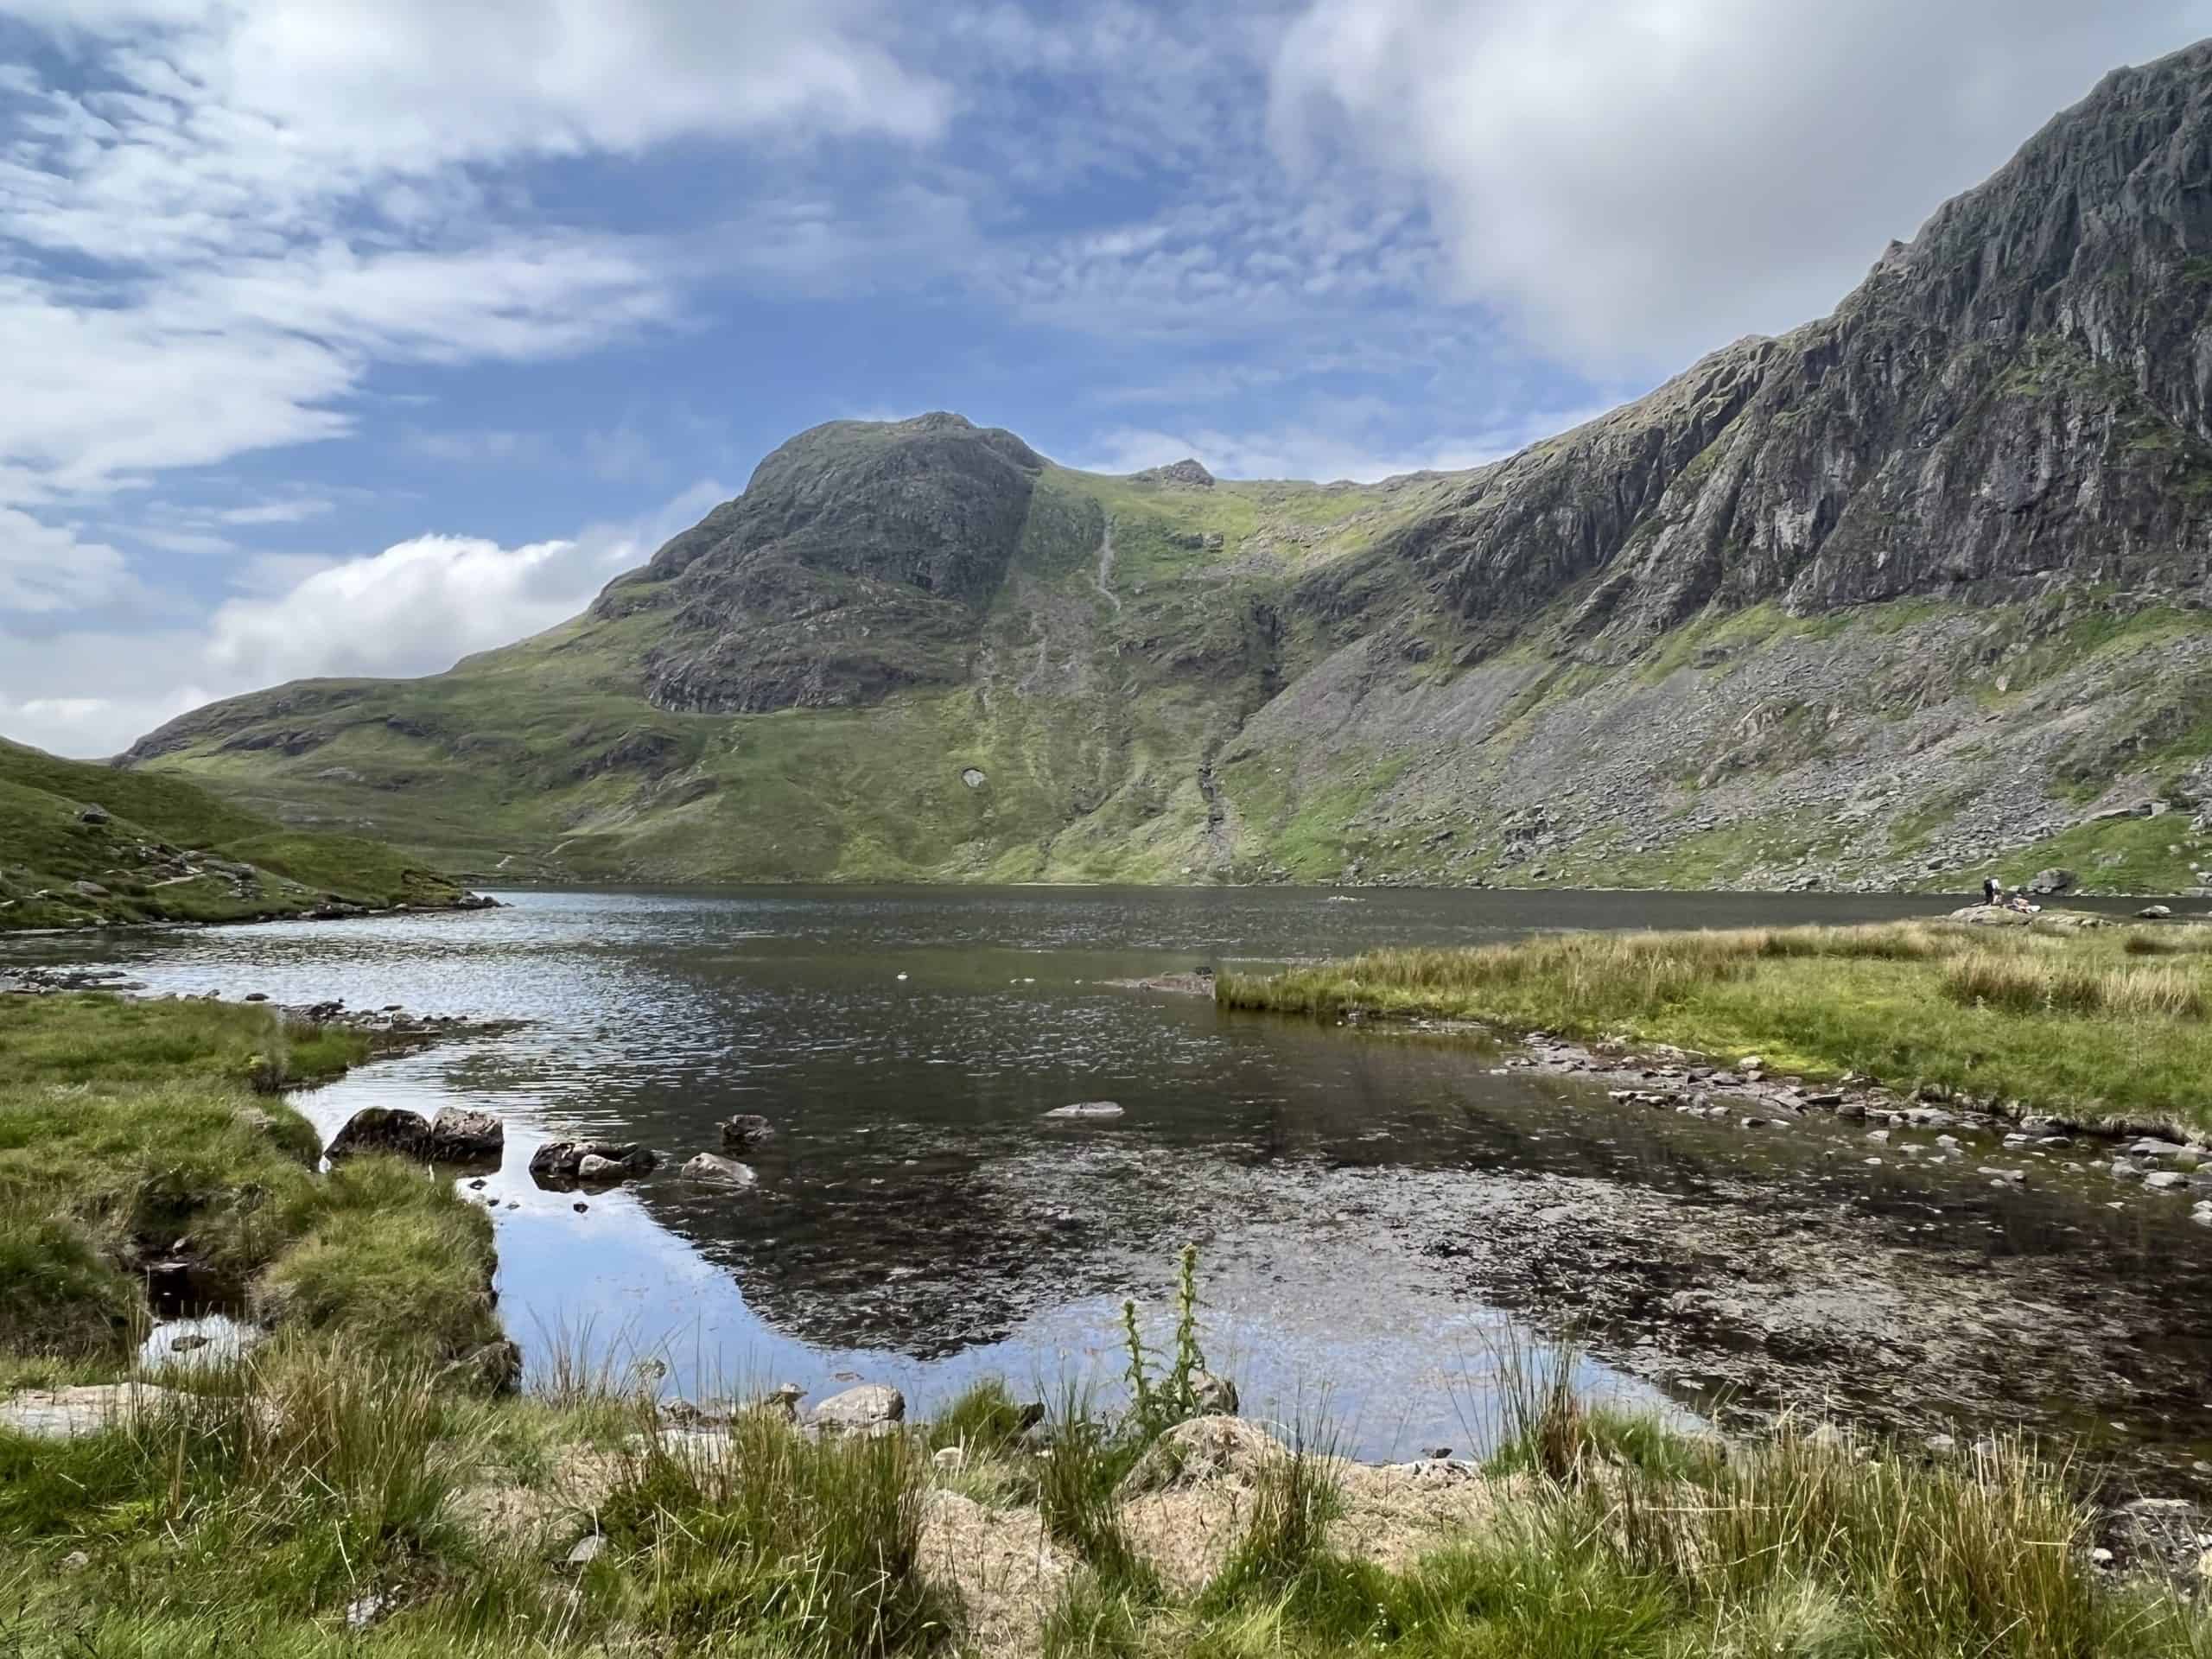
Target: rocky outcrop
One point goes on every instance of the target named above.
(857, 561)
(746, 1131)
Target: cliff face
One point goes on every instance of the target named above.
(1913, 589)
(2018, 397)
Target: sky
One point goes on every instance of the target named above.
(352, 336)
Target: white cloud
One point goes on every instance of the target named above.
(1638, 181)
(243, 206)
(413, 608)
(48, 568)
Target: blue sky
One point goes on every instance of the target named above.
(347, 337)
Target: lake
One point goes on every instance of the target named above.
(1378, 1214)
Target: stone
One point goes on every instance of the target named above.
(949, 1457)
(586, 1550)
(2166, 1181)
(870, 1409)
(2154, 912)
(461, 1135)
(68, 1413)
(190, 1342)
(92, 814)
(496, 1367)
(746, 1131)
(88, 890)
(1213, 1395)
(2124, 1171)
(782, 1403)
(365, 1610)
(2052, 882)
(382, 1128)
(557, 1162)
(1087, 1108)
(715, 1170)
(75, 1562)
(2150, 1147)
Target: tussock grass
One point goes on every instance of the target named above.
(797, 1545)
(126, 1127)
(2067, 1019)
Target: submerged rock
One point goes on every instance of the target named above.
(718, 1170)
(746, 1131)
(1087, 1108)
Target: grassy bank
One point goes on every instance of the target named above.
(84, 845)
(287, 1506)
(132, 1132)
(2109, 1020)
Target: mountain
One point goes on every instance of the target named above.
(85, 845)
(1915, 591)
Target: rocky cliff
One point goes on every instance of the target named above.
(1914, 591)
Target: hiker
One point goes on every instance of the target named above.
(1989, 890)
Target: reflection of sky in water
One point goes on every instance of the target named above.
(915, 1224)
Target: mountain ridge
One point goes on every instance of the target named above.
(1930, 568)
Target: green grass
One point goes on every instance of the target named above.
(2062, 1020)
(127, 1127)
(137, 865)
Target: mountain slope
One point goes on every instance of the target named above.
(1915, 589)
(81, 845)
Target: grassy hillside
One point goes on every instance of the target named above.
(83, 845)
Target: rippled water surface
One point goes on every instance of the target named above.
(917, 1221)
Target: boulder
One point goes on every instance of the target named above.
(91, 815)
(459, 1135)
(718, 1170)
(871, 1409)
(66, 1414)
(496, 1368)
(1086, 1108)
(2153, 912)
(746, 1131)
(561, 1161)
(2052, 882)
(382, 1128)
(1213, 1395)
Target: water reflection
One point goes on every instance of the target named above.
(1368, 1207)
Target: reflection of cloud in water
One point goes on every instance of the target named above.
(1364, 1204)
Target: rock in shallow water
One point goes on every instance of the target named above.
(382, 1128)
(746, 1131)
(1087, 1108)
(563, 1160)
(716, 1169)
(462, 1136)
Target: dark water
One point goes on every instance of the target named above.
(918, 1223)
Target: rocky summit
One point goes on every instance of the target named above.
(1913, 593)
